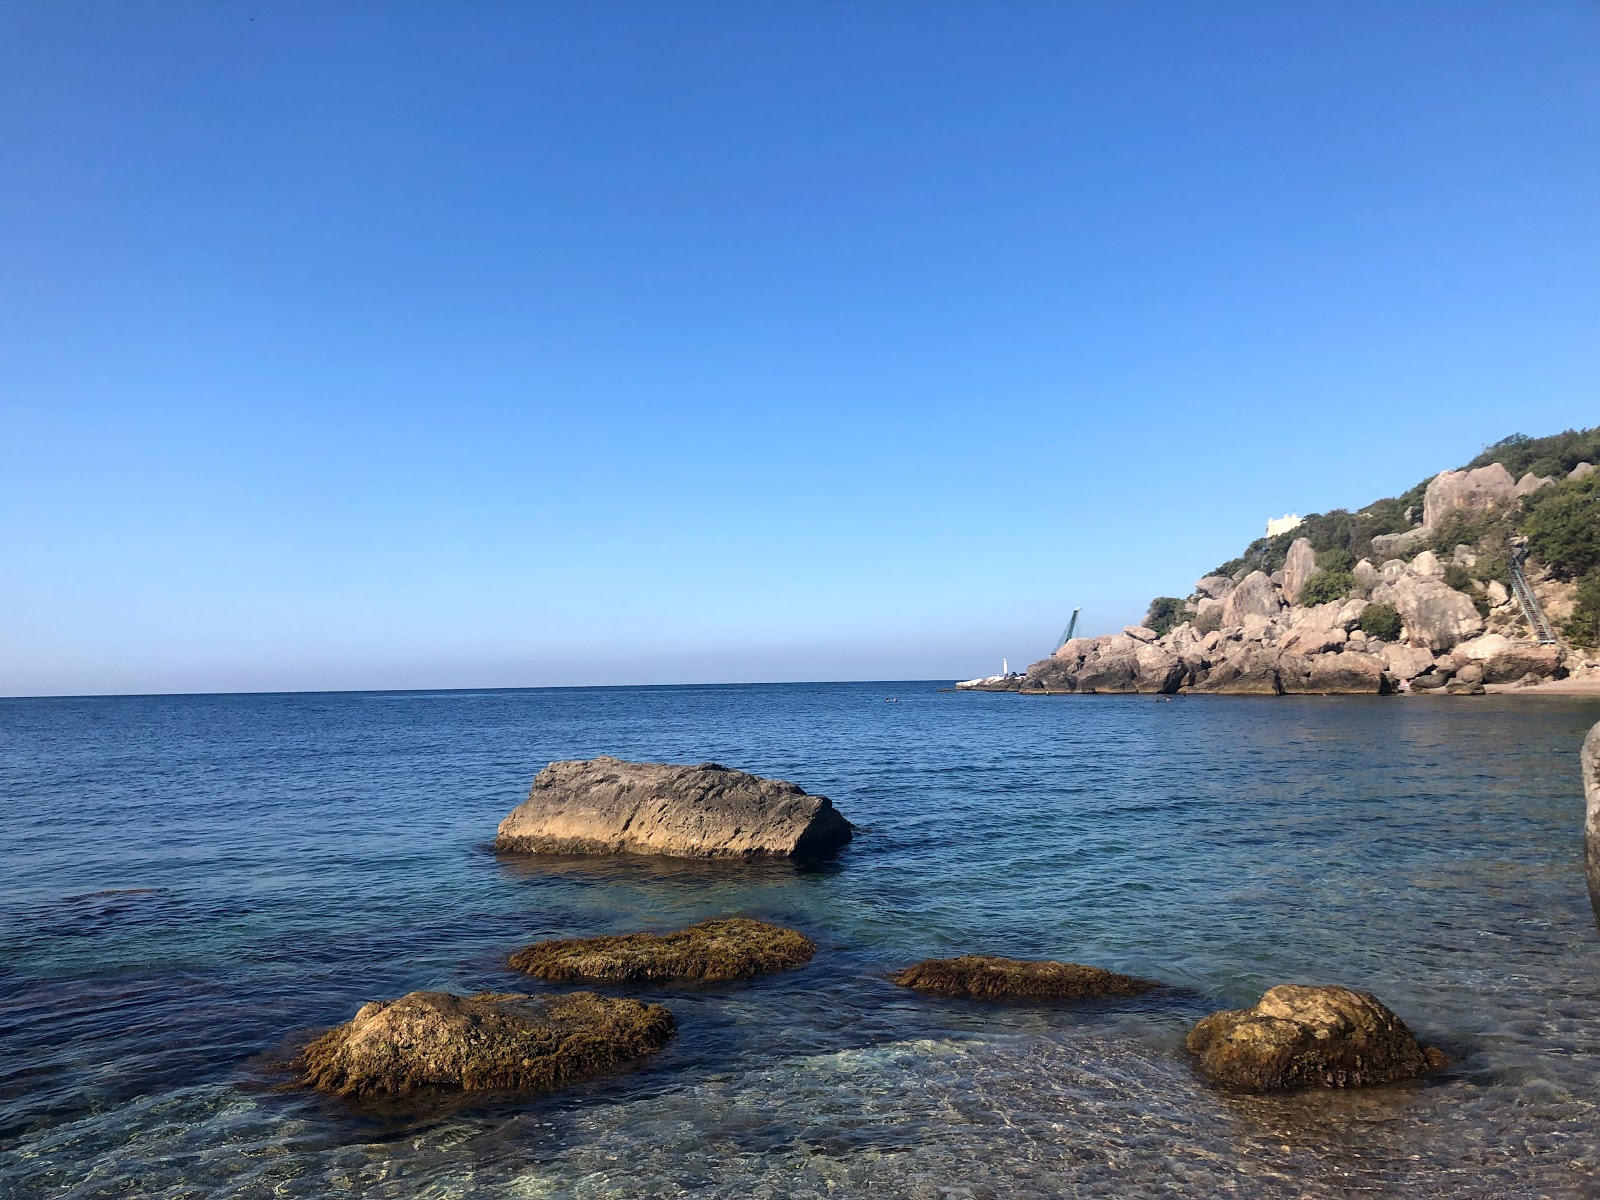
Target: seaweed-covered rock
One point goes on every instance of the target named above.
(488, 1042)
(715, 951)
(985, 977)
(1305, 1036)
(607, 806)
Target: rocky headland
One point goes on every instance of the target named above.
(1416, 593)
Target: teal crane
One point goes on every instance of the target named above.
(1066, 635)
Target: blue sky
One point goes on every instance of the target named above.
(504, 344)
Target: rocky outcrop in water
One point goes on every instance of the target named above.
(984, 977)
(710, 951)
(607, 806)
(1590, 758)
(1303, 1036)
(489, 1042)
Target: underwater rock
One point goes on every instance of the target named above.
(714, 951)
(1590, 758)
(985, 977)
(488, 1042)
(607, 806)
(1310, 1036)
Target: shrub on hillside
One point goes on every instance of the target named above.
(1563, 526)
(1336, 559)
(1456, 576)
(1554, 455)
(1208, 622)
(1324, 586)
(1381, 621)
(1166, 613)
(1583, 627)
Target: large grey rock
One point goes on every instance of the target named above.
(1396, 543)
(1468, 493)
(1366, 574)
(1506, 661)
(1160, 670)
(1216, 587)
(1315, 640)
(1579, 471)
(607, 806)
(1347, 674)
(1435, 615)
(1427, 566)
(1300, 566)
(1405, 662)
(1247, 668)
(1591, 819)
(1255, 596)
(1112, 670)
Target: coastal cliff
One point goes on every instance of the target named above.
(1411, 593)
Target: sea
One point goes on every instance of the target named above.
(191, 886)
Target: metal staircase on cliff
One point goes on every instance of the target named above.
(1526, 598)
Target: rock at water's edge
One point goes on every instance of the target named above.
(1591, 817)
(607, 806)
(489, 1042)
(1310, 1036)
(985, 977)
(714, 951)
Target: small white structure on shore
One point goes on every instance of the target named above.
(1277, 525)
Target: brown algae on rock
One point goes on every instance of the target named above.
(713, 951)
(1301, 1035)
(488, 1042)
(987, 977)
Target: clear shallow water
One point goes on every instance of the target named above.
(299, 855)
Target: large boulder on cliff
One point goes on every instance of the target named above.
(1315, 640)
(1386, 544)
(1435, 615)
(1506, 661)
(1349, 674)
(1467, 493)
(1299, 566)
(1255, 596)
(489, 1042)
(1242, 668)
(1160, 670)
(710, 951)
(607, 806)
(1405, 662)
(986, 977)
(1308, 1036)
(1531, 483)
(1589, 758)
(1216, 587)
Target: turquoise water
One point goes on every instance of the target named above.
(294, 856)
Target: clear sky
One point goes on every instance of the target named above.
(506, 344)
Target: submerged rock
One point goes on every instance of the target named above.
(985, 977)
(607, 806)
(715, 951)
(489, 1042)
(1591, 820)
(1305, 1036)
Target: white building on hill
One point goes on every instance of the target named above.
(1277, 525)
